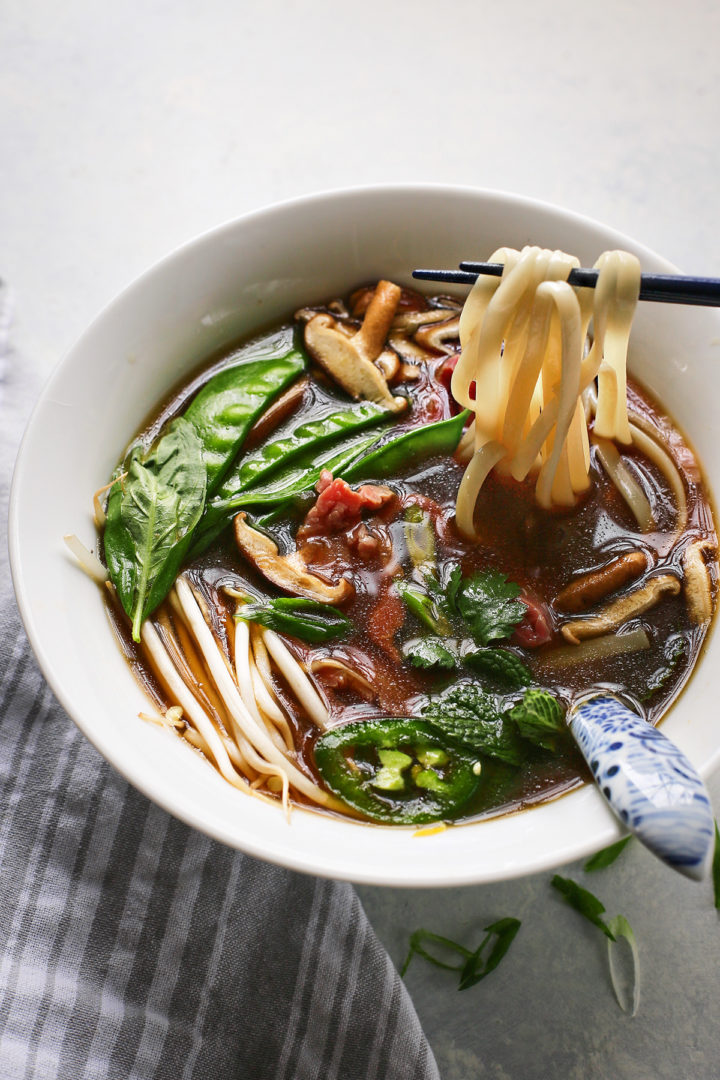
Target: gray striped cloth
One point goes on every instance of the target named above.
(133, 947)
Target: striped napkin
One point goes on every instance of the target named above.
(134, 947)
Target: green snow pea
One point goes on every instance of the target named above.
(398, 770)
(440, 438)
(282, 487)
(254, 468)
(226, 407)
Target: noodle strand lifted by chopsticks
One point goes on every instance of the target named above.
(522, 371)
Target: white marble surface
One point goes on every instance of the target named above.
(126, 129)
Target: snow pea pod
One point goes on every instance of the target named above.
(284, 486)
(254, 468)
(227, 406)
(397, 770)
(440, 438)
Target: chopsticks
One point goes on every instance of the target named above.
(661, 288)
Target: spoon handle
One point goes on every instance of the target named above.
(647, 781)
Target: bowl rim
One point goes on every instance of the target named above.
(315, 864)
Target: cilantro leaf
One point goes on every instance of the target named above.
(499, 664)
(469, 715)
(539, 718)
(488, 603)
(608, 855)
(431, 652)
(584, 902)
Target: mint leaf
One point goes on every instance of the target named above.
(499, 664)
(488, 603)
(606, 857)
(539, 718)
(469, 715)
(584, 902)
(430, 652)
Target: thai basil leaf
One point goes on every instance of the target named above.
(226, 407)
(440, 438)
(606, 857)
(476, 966)
(501, 665)
(150, 514)
(584, 902)
(304, 619)
(431, 652)
(539, 718)
(488, 603)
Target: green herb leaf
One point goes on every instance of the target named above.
(150, 517)
(469, 715)
(476, 967)
(674, 652)
(539, 718)
(584, 902)
(307, 620)
(499, 664)
(716, 868)
(628, 1000)
(431, 652)
(488, 603)
(606, 857)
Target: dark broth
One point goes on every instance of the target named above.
(542, 551)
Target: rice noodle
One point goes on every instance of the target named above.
(625, 482)
(523, 341)
(655, 453)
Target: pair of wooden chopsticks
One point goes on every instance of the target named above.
(662, 288)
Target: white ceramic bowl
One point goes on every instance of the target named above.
(228, 283)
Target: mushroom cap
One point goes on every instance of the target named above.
(288, 572)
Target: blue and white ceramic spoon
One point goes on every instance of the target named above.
(647, 781)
